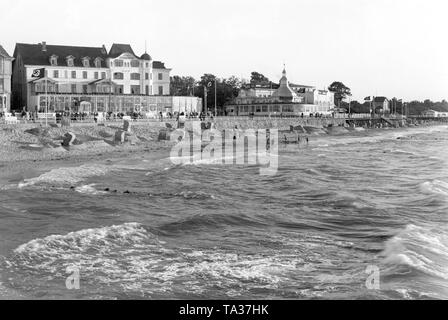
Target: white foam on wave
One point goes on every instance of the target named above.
(136, 260)
(67, 175)
(435, 187)
(89, 189)
(421, 248)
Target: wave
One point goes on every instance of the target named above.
(420, 248)
(89, 189)
(67, 175)
(435, 187)
(138, 261)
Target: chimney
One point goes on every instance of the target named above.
(44, 46)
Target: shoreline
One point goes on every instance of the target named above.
(18, 162)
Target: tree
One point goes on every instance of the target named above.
(256, 77)
(182, 86)
(340, 91)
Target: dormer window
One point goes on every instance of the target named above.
(70, 61)
(86, 62)
(97, 62)
(54, 60)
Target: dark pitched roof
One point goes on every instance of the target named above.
(32, 54)
(158, 65)
(118, 49)
(4, 53)
(380, 99)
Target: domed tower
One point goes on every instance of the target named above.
(146, 56)
(147, 72)
(284, 92)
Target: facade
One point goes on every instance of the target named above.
(434, 114)
(380, 105)
(282, 99)
(90, 79)
(5, 80)
(161, 78)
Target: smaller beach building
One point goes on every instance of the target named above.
(284, 99)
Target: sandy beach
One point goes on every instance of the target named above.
(26, 151)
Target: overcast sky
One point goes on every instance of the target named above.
(376, 47)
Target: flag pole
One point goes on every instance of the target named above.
(205, 99)
(215, 100)
(46, 99)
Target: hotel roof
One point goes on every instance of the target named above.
(34, 54)
(158, 65)
(118, 49)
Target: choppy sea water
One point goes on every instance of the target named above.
(335, 207)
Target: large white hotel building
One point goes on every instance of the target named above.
(92, 79)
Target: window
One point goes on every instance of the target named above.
(98, 62)
(84, 89)
(95, 74)
(147, 90)
(119, 89)
(86, 62)
(160, 76)
(147, 64)
(135, 76)
(135, 63)
(84, 74)
(54, 60)
(73, 74)
(70, 61)
(275, 108)
(160, 90)
(135, 89)
(73, 88)
(118, 63)
(56, 74)
(65, 74)
(146, 76)
(287, 109)
(118, 76)
(103, 75)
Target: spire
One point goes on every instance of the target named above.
(145, 47)
(284, 69)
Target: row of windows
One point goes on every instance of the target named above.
(74, 88)
(134, 76)
(70, 60)
(74, 74)
(133, 63)
(96, 75)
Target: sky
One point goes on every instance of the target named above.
(393, 48)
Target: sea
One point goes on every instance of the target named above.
(360, 216)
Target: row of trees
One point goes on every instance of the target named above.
(342, 92)
(227, 89)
